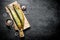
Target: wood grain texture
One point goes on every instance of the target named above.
(26, 23)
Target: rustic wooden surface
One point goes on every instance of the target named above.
(26, 23)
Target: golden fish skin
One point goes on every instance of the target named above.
(20, 16)
(17, 21)
(15, 17)
(19, 13)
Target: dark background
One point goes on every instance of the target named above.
(43, 16)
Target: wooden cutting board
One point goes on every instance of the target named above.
(26, 23)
